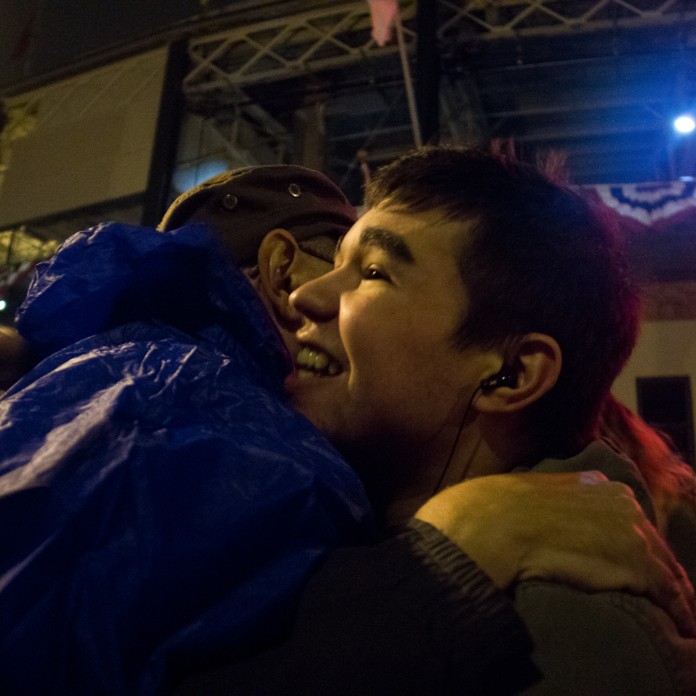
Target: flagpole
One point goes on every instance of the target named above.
(410, 95)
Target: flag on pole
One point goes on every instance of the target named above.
(383, 13)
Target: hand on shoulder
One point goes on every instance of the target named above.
(575, 528)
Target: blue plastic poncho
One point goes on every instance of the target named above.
(160, 506)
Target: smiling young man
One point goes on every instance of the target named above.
(475, 320)
(385, 318)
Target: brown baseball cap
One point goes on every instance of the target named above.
(242, 205)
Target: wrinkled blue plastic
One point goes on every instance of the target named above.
(159, 505)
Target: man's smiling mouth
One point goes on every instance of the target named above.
(313, 361)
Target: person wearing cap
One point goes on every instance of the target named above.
(166, 507)
(160, 503)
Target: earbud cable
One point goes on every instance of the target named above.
(456, 443)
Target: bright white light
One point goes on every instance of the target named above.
(684, 123)
(3, 305)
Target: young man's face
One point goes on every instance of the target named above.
(385, 371)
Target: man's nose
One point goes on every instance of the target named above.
(318, 299)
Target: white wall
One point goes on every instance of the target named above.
(91, 140)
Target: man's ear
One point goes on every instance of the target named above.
(536, 365)
(277, 260)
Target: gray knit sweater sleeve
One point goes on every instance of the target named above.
(409, 615)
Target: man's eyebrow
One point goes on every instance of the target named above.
(388, 241)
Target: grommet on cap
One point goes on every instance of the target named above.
(229, 201)
(294, 190)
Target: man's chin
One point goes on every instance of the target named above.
(301, 391)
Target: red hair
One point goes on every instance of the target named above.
(668, 478)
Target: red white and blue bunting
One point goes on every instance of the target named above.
(657, 205)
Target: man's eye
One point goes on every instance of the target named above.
(374, 273)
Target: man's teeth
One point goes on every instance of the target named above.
(316, 361)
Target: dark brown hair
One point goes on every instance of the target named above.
(538, 258)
